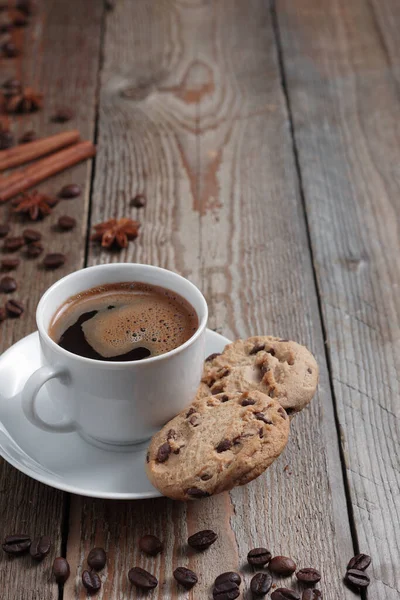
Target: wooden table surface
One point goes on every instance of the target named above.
(265, 136)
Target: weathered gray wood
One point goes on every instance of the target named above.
(345, 103)
(60, 58)
(192, 114)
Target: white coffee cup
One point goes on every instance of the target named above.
(116, 403)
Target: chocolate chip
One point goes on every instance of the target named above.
(11, 244)
(191, 411)
(206, 477)
(261, 417)
(97, 559)
(217, 389)
(66, 223)
(8, 264)
(261, 433)
(247, 402)
(284, 594)
(17, 543)
(53, 261)
(195, 492)
(258, 557)
(261, 584)
(8, 285)
(61, 569)
(357, 578)
(62, 115)
(359, 562)
(308, 575)
(3, 314)
(212, 356)
(40, 547)
(202, 539)
(228, 590)
(142, 579)
(148, 457)
(171, 435)
(4, 230)
(6, 139)
(284, 340)
(271, 351)
(10, 49)
(138, 201)
(282, 565)
(224, 398)
(163, 452)
(309, 370)
(34, 249)
(230, 576)
(31, 235)
(14, 308)
(185, 577)
(257, 348)
(70, 191)
(311, 594)
(150, 544)
(91, 581)
(28, 136)
(195, 420)
(224, 445)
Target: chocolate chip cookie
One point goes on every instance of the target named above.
(282, 369)
(218, 442)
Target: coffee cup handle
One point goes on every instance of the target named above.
(29, 394)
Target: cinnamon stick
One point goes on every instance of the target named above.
(42, 169)
(13, 157)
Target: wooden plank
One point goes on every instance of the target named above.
(345, 105)
(191, 113)
(60, 58)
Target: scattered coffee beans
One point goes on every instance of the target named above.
(311, 594)
(61, 569)
(20, 20)
(18, 543)
(11, 244)
(28, 136)
(138, 201)
(63, 115)
(359, 562)
(14, 308)
(6, 139)
(8, 285)
(10, 49)
(142, 579)
(185, 577)
(34, 249)
(91, 581)
(97, 559)
(8, 264)
(202, 539)
(70, 191)
(259, 557)
(31, 235)
(357, 578)
(308, 575)
(66, 223)
(261, 584)
(12, 87)
(54, 260)
(4, 230)
(3, 314)
(284, 594)
(227, 590)
(40, 547)
(150, 544)
(282, 565)
(228, 576)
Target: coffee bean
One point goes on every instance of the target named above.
(14, 308)
(308, 575)
(40, 547)
(10, 50)
(62, 115)
(34, 249)
(195, 492)
(228, 576)
(4, 230)
(97, 559)
(259, 557)
(3, 314)
(163, 452)
(61, 569)
(70, 191)
(53, 261)
(202, 539)
(27, 6)
(8, 285)
(185, 577)
(150, 544)
(284, 594)
(359, 562)
(357, 578)
(282, 565)
(8, 264)
(20, 20)
(261, 584)
(311, 594)
(31, 235)
(138, 201)
(6, 139)
(91, 581)
(142, 579)
(18, 543)
(227, 590)
(66, 223)
(12, 86)
(28, 136)
(11, 244)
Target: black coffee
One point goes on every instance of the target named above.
(123, 322)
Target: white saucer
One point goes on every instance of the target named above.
(66, 461)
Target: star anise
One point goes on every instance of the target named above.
(25, 102)
(117, 232)
(34, 204)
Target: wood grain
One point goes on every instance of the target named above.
(60, 58)
(343, 91)
(192, 114)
